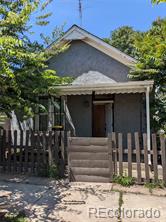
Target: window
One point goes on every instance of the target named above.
(52, 117)
(43, 116)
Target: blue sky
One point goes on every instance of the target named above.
(100, 17)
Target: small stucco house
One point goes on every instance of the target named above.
(102, 98)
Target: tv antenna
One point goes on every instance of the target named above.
(80, 11)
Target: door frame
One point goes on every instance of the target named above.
(101, 102)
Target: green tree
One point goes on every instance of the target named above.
(24, 73)
(123, 39)
(151, 49)
(158, 1)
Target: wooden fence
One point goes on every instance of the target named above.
(100, 159)
(30, 152)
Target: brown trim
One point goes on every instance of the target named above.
(92, 119)
(113, 114)
(111, 97)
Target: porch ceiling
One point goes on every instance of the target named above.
(109, 88)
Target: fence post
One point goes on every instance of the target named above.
(50, 159)
(65, 146)
(3, 149)
(26, 150)
(137, 146)
(61, 157)
(154, 146)
(9, 150)
(68, 154)
(163, 156)
(115, 152)
(21, 151)
(38, 152)
(120, 149)
(146, 157)
(15, 150)
(110, 152)
(129, 146)
(1, 146)
(32, 162)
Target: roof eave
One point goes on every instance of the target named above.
(127, 87)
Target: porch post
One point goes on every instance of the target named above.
(148, 122)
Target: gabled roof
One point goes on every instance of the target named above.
(92, 77)
(77, 33)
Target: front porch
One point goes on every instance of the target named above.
(99, 109)
(98, 115)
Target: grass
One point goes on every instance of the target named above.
(120, 206)
(53, 171)
(154, 185)
(49, 171)
(125, 181)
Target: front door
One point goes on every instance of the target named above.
(99, 120)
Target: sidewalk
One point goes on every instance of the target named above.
(47, 200)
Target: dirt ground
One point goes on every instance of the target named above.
(47, 200)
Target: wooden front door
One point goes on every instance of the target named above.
(99, 124)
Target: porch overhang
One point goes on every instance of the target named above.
(107, 88)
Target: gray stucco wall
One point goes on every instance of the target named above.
(80, 108)
(128, 113)
(81, 58)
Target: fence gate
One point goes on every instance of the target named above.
(89, 159)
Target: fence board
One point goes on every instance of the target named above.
(15, 151)
(154, 147)
(4, 150)
(69, 158)
(120, 148)
(146, 158)
(137, 146)
(32, 159)
(163, 157)
(129, 141)
(1, 146)
(26, 150)
(50, 158)
(9, 151)
(38, 150)
(21, 152)
(110, 157)
(115, 152)
(44, 148)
